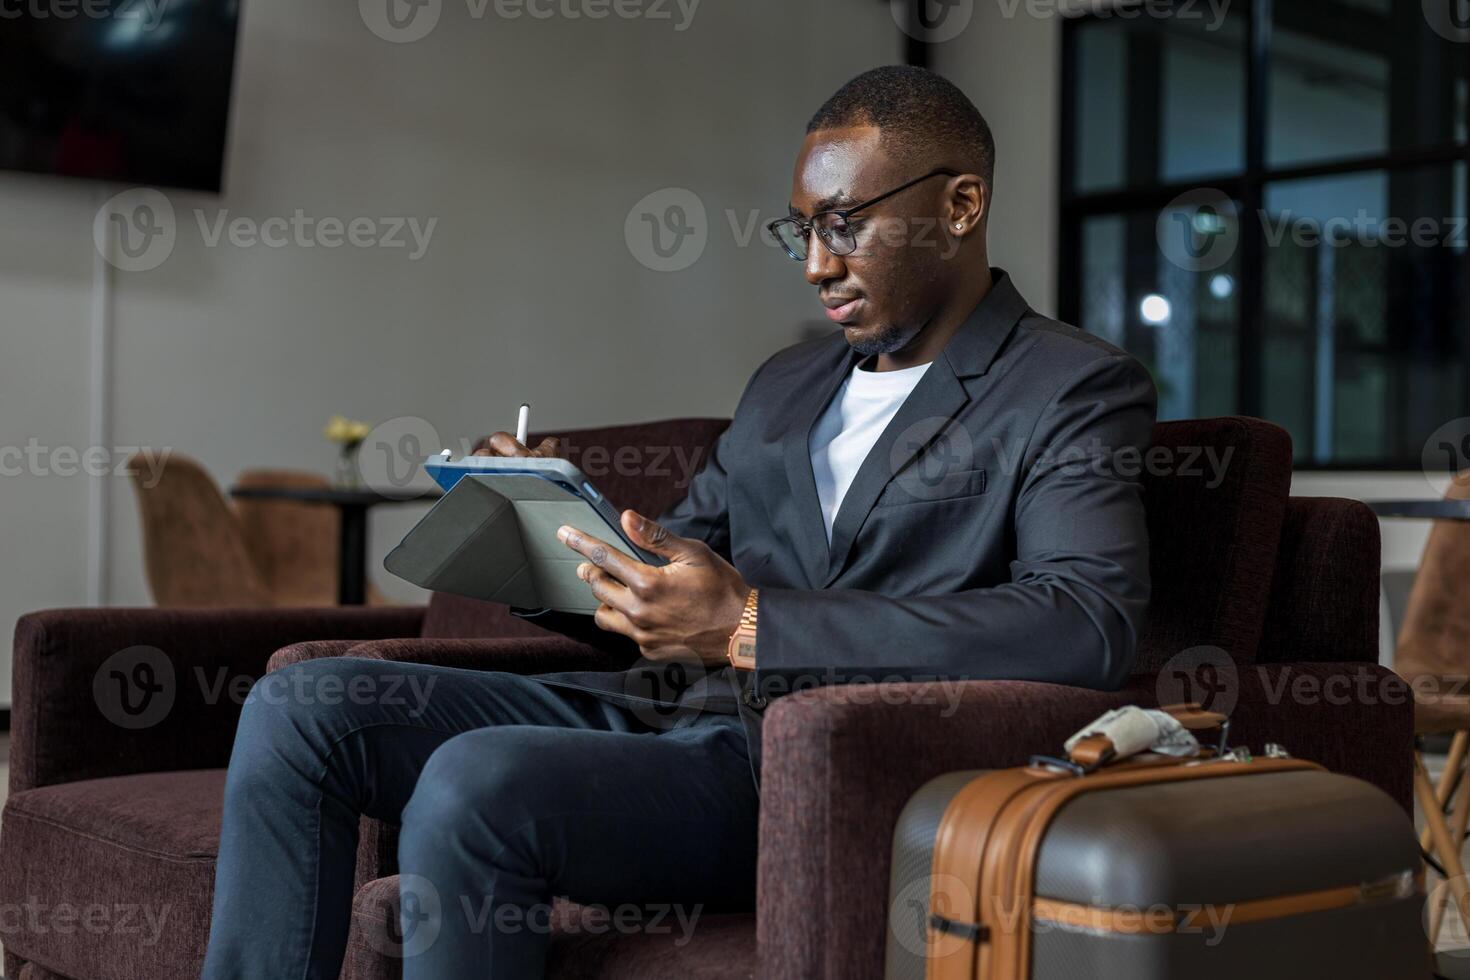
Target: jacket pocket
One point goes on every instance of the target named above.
(912, 487)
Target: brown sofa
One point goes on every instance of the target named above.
(107, 815)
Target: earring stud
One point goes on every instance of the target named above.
(959, 227)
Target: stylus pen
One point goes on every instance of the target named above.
(523, 421)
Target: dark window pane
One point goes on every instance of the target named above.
(1363, 348)
(1158, 99)
(1177, 317)
(1360, 79)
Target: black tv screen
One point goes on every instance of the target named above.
(133, 91)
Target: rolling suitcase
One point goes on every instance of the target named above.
(1205, 868)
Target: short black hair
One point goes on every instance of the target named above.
(920, 114)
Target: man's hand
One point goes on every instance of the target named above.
(685, 610)
(504, 444)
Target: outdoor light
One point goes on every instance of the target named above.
(1222, 286)
(1155, 310)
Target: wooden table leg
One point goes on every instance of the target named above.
(1448, 779)
(1457, 825)
(1446, 848)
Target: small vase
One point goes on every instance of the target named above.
(348, 476)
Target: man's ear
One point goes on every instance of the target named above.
(969, 203)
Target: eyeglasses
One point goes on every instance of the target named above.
(833, 227)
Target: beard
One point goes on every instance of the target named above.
(888, 339)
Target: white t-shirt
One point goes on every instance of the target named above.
(852, 422)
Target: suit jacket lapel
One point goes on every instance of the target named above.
(935, 400)
(811, 541)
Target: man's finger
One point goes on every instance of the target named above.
(606, 589)
(613, 621)
(653, 536)
(550, 447)
(633, 574)
(504, 444)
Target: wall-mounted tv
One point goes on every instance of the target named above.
(132, 91)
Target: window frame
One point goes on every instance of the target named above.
(1248, 188)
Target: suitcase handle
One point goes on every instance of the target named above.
(1096, 751)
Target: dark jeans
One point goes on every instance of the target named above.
(508, 790)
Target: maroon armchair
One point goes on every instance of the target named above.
(109, 814)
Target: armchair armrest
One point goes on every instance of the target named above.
(172, 705)
(839, 763)
(517, 654)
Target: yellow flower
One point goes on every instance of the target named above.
(344, 430)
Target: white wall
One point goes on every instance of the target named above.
(1008, 62)
(529, 141)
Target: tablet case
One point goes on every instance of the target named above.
(494, 538)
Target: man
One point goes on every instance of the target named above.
(925, 493)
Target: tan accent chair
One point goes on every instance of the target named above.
(193, 548)
(1433, 654)
(293, 543)
(202, 551)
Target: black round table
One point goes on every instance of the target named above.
(352, 541)
(1435, 510)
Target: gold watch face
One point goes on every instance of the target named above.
(742, 653)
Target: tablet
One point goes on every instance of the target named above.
(493, 534)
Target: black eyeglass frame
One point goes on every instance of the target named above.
(805, 225)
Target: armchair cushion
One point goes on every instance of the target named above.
(61, 730)
(156, 834)
(1324, 596)
(583, 943)
(1214, 521)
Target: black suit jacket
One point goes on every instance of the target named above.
(995, 530)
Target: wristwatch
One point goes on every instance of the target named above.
(742, 642)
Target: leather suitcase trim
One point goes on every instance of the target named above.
(989, 835)
(1155, 922)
